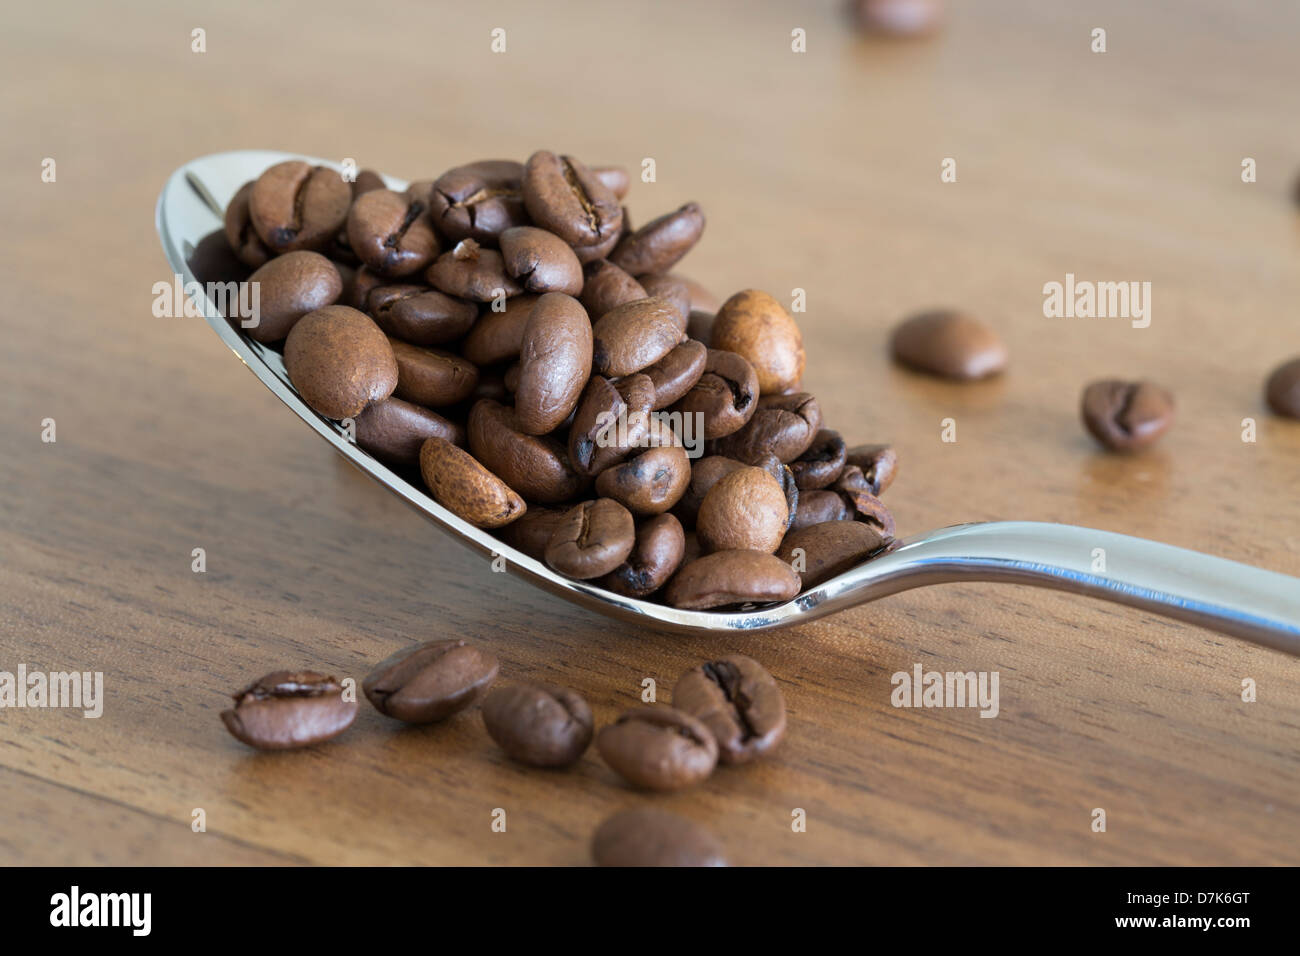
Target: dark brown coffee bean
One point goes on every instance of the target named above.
(649, 483)
(829, 549)
(657, 245)
(726, 394)
(339, 361)
(498, 335)
(564, 196)
(822, 463)
(606, 287)
(554, 362)
(420, 315)
(726, 578)
(541, 260)
(368, 181)
(537, 466)
(658, 748)
(243, 238)
(432, 377)
(470, 271)
(1283, 389)
(856, 489)
(289, 287)
(288, 709)
(1126, 416)
(740, 703)
(656, 555)
(677, 372)
(541, 725)
(594, 538)
(357, 289)
(394, 430)
(633, 336)
(879, 464)
(817, 507)
(699, 326)
(595, 440)
(897, 18)
(615, 179)
(673, 291)
(464, 487)
(430, 681)
(745, 510)
(296, 206)
(532, 532)
(755, 326)
(212, 260)
(705, 473)
(783, 425)
(651, 837)
(949, 344)
(478, 201)
(390, 233)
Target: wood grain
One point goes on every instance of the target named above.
(817, 171)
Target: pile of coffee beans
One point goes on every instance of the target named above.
(504, 335)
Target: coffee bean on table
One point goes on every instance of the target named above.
(394, 430)
(831, 548)
(651, 837)
(633, 336)
(430, 681)
(1283, 389)
(498, 336)
(420, 315)
(390, 232)
(464, 487)
(1126, 416)
(554, 362)
(727, 578)
(746, 510)
(289, 287)
(658, 748)
(563, 196)
(782, 425)
(660, 243)
(541, 725)
(606, 286)
(536, 466)
(878, 463)
(822, 463)
(594, 538)
(294, 205)
(244, 240)
(471, 271)
(949, 344)
(740, 703)
(726, 395)
(541, 261)
(757, 327)
(339, 361)
(648, 483)
(677, 372)
(479, 200)
(288, 709)
(432, 377)
(658, 552)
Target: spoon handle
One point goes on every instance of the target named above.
(1247, 602)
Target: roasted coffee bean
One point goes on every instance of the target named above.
(898, 18)
(856, 489)
(296, 206)
(657, 553)
(390, 233)
(726, 394)
(536, 466)
(243, 238)
(368, 181)
(478, 201)
(288, 709)
(497, 336)
(726, 578)
(949, 344)
(430, 681)
(432, 377)
(470, 271)
(699, 326)
(420, 315)
(394, 430)
(357, 289)
(754, 325)
(532, 532)
(289, 287)
(1283, 389)
(615, 179)
(541, 260)
(817, 507)
(745, 510)
(339, 361)
(541, 725)
(511, 378)
(609, 422)
(1126, 416)
(565, 197)
(212, 260)
(740, 703)
(594, 538)
(606, 286)
(650, 837)
(702, 298)
(831, 548)
(677, 372)
(633, 336)
(658, 748)
(705, 473)
(879, 464)
(554, 362)
(782, 425)
(464, 487)
(822, 463)
(673, 291)
(659, 244)
(649, 483)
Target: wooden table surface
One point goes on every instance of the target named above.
(817, 171)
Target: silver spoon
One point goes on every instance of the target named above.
(1247, 602)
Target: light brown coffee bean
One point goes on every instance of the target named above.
(879, 464)
(289, 287)
(658, 748)
(660, 243)
(1126, 416)
(633, 336)
(656, 555)
(498, 336)
(726, 396)
(831, 548)
(738, 701)
(649, 483)
(541, 261)
(594, 538)
(705, 473)
(554, 363)
(434, 378)
(756, 326)
(467, 489)
(949, 344)
(536, 466)
(727, 578)
(541, 725)
(339, 361)
(394, 430)
(745, 510)
(430, 681)
(470, 271)
(390, 232)
(420, 315)
(650, 837)
(289, 709)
